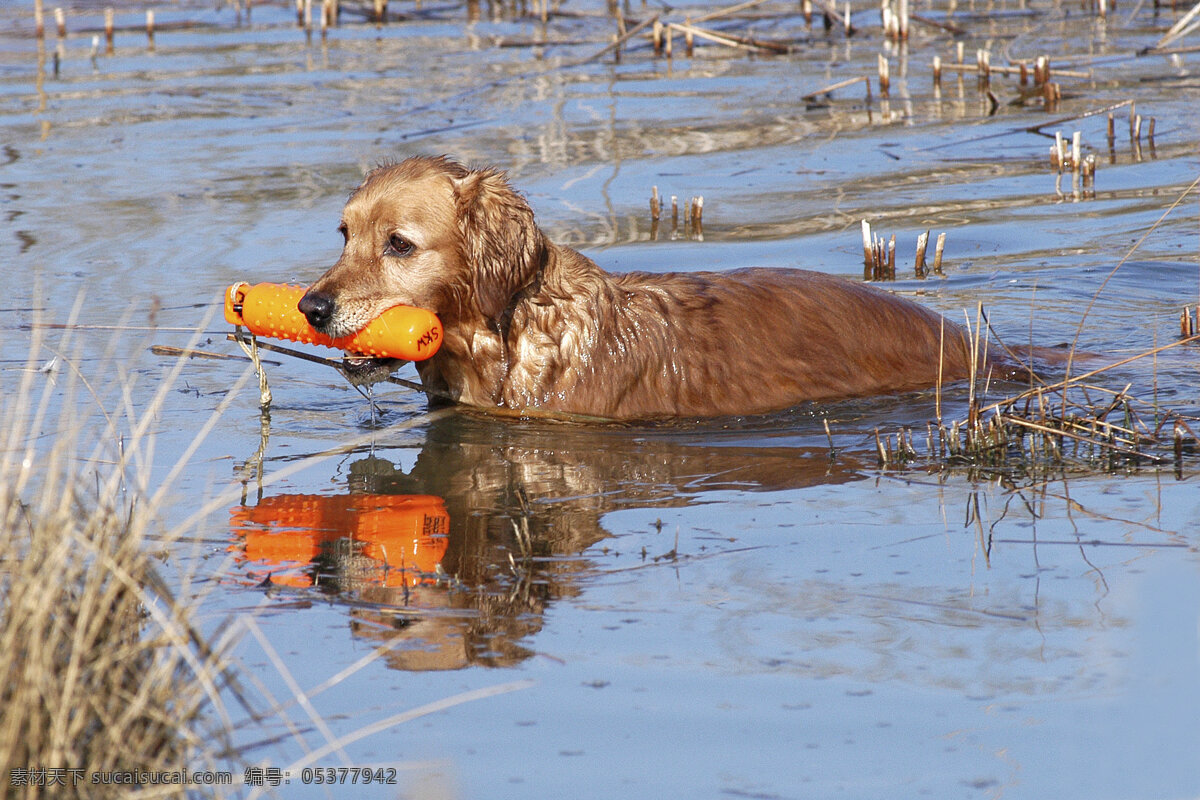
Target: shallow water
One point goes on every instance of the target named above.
(699, 609)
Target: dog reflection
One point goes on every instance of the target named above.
(384, 553)
(461, 555)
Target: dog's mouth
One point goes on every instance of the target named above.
(366, 370)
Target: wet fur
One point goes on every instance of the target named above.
(533, 325)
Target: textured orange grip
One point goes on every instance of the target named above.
(269, 309)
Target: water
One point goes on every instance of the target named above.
(698, 609)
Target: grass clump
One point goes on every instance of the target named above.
(104, 682)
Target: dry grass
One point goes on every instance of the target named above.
(101, 669)
(1075, 423)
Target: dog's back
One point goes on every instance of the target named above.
(705, 344)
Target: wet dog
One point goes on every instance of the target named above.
(533, 325)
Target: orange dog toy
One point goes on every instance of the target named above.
(269, 309)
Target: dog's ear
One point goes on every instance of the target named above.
(500, 239)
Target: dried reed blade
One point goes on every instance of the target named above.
(835, 86)
(729, 10)
(1046, 429)
(1096, 295)
(1181, 28)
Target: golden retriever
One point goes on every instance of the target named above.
(531, 325)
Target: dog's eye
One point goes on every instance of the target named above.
(399, 246)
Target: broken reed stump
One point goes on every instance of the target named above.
(1063, 158)
(1135, 131)
(895, 21)
(1051, 96)
(879, 257)
(1189, 322)
(693, 222)
(919, 265)
(1050, 91)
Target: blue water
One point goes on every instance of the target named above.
(693, 610)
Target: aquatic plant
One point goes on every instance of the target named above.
(106, 684)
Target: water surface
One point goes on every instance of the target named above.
(718, 608)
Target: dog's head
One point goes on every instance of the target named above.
(430, 233)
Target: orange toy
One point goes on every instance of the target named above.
(269, 309)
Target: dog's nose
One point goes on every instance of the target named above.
(317, 307)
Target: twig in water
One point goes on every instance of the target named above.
(634, 31)
(839, 85)
(1072, 380)
(724, 12)
(729, 39)
(1025, 423)
(1184, 26)
(287, 351)
(1039, 128)
(188, 352)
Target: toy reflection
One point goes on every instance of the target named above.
(460, 555)
(399, 562)
(306, 540)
